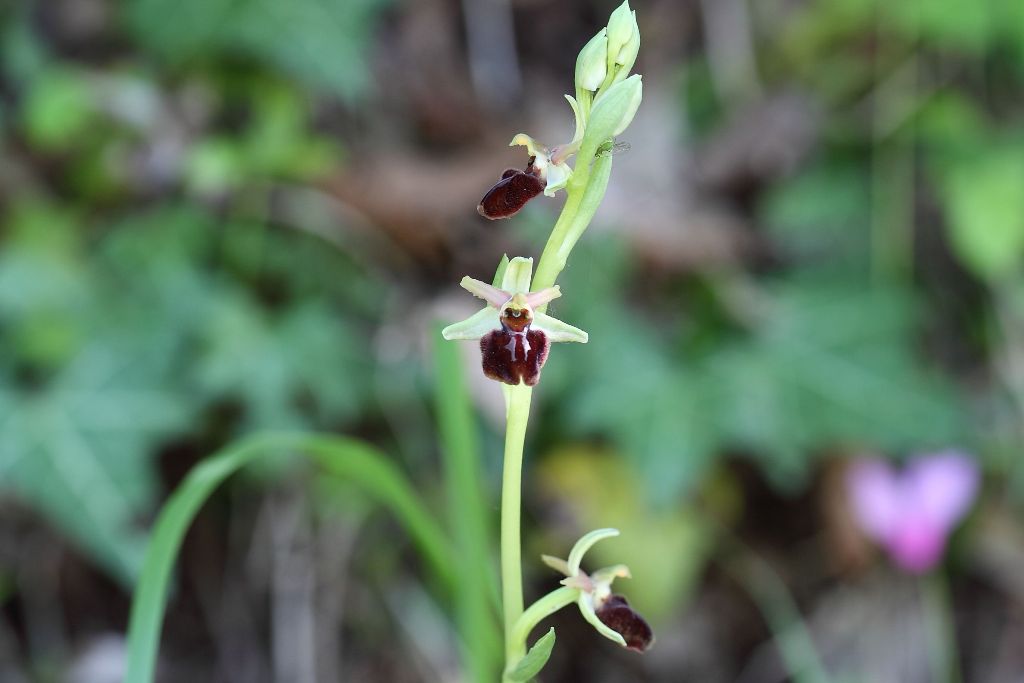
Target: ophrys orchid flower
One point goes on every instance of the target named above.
(606, 100)
(607, 612)
(514, 336)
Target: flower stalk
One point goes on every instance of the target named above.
(517, 409)
(515, 332)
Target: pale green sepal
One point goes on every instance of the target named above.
(530, 665)
(556, 563)
(473, 327)
(558, 331)
(580, 125)
(584, 544)
(605, 576)
(533, 148)
(592, 62)
(544, 296)
(518, 274)
(584, 100)
(489, 293)
(591, 616)
(500, 272)
(613, 111)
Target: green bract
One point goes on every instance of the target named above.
(613, 111)
(592, 62)
(623, 40)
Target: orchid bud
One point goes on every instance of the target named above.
(623, 39)
(614, 110)
(592, 62)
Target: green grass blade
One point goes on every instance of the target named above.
(343, 457)
(469, 515)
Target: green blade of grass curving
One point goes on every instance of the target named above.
(354, 460)
(469, 516)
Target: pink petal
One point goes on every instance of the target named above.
(940, 488)
(916, 546)
(874, 495)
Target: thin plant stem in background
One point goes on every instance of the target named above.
(943, 653)
(467, 517)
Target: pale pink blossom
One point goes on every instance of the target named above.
(911, 512)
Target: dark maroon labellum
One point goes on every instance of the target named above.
(511, 192)
(617, 615)
(511, 357)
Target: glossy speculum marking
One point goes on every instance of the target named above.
(514, 357)
(511, 193)
(514, 353)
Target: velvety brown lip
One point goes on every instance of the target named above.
(510, 194)
(617, 615)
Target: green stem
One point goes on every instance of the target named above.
(475, 610)
(586, 190)
(517, 406)
(943, 656)
(540, 610)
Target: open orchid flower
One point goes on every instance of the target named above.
(514, 336)
(607, 612)
(912, 512)
(546, 171)
(606, 100)
(550, 164)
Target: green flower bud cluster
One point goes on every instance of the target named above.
(607, 97)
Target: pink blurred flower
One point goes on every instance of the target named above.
(911, 512)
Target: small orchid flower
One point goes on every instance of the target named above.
(546, 171)
(606, 101)
(912, 512)
(514, 336)
(607, 612)
(550, 163)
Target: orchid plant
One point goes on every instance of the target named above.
(515, 332)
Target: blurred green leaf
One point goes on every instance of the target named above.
(951, 122)
(79, 449)
(319, 42)
(58, 109)
(828, 362)
(832, 363)
(819, 212)
(985, 207)
(967, 26)
(272, 363)
(45, 288)
(215, 165)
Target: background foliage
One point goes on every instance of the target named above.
(225, 216)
